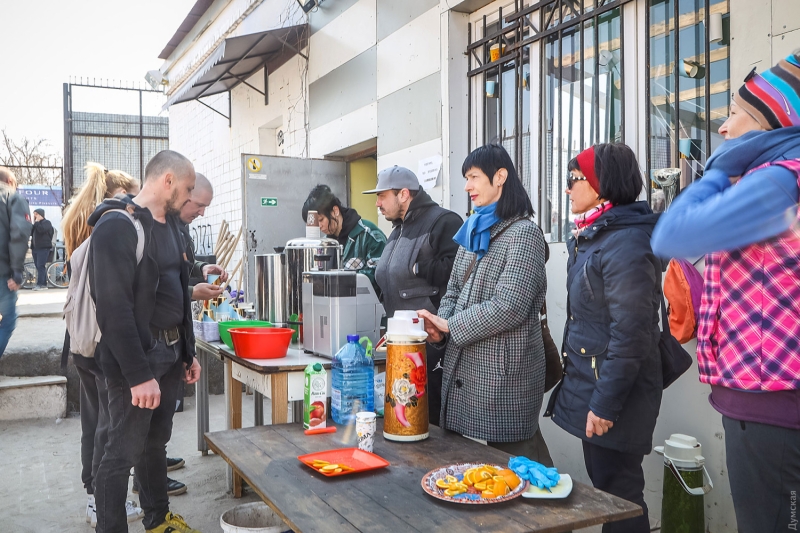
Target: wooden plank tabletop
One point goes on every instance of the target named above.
(391, 499)
(296, 359)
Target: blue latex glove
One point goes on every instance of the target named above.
(538, 474)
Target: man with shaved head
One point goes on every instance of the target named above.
(139, 280)
(202, 195)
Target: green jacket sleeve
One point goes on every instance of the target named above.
(368, 247)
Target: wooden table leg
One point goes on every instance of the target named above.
(234, 416)
(280, 398)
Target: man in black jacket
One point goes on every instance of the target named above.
(41, 246)
(147, 345)
(15, 229)
(414, 269)
(202, 195)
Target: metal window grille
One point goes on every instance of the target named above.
(553, 22)
(117, 141)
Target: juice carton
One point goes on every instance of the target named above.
(315, 397)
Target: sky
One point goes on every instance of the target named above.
(45, 42)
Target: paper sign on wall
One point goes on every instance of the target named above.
(428, 171)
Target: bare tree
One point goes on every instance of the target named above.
(35, 156)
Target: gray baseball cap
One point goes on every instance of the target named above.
(395, 178)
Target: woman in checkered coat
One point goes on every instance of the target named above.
(494, 365)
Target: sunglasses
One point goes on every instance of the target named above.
(572, 179)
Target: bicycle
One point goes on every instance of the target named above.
(57, 273)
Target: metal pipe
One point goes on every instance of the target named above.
(258, 408)
(201, 409)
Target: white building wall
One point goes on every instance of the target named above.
(215, 148)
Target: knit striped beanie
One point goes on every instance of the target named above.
(773, 98)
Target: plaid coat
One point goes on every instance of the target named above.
(494, 364)
(749, 326)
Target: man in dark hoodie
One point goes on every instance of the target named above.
(15, 228)
(41, 246)
(147, 345)
(414, 269)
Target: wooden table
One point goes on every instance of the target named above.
(391, 499)
(281, 380)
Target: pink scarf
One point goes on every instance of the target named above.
(586, 219)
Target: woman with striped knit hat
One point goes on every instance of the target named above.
(744, 214)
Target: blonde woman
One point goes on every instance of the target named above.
(99, 185)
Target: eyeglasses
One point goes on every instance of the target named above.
(572, 179)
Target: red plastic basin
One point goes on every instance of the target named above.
(261, 343)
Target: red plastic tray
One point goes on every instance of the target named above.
(358, 460)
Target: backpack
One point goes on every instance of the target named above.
(683, 288)
(80, 313)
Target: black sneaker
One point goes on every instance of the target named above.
(174, 487)
(174, 463)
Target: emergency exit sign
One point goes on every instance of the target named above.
(269, 202)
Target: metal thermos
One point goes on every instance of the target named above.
(685, 482)
(271, 304)
(300, 257)
(405, 414)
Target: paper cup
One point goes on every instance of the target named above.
(212, 278)
(366, 425)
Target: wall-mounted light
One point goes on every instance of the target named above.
(156, 79)
(308, 5)
(715, 33)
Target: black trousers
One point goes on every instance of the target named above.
(40, 257)
(434, 361)
(138, 437)
(620, 474)
(764, 468)
(94, 418)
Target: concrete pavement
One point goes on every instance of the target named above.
(41, 489)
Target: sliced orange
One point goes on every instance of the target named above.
(451, 479)
(442, 484)
(488, 494)
(485, 474)
(512, 479)
(480, 485)
(500, 487)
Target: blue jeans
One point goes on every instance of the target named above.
(40, 257)
(8, 310)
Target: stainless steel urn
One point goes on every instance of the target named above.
(300, 257)
(271, 283)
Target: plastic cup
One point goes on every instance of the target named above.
(366, 425)
(496, 50)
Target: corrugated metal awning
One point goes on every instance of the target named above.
(238, 58)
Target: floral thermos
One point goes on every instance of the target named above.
(406, 409)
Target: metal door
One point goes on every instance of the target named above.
(274, 189)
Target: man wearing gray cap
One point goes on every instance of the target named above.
(414, 269)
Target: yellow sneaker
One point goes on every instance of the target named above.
(173, 523)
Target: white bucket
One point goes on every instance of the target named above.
(251, 518)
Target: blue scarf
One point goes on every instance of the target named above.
(475, 233)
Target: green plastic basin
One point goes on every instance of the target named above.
(225, 326)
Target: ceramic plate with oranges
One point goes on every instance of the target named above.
(473, 483)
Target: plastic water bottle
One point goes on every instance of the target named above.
(352, 385)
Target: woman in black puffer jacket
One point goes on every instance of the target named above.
(611, 391)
